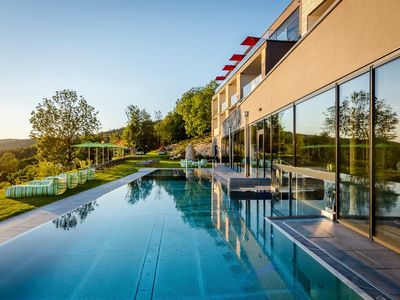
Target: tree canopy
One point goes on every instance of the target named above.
(171, 128)
(139, 131)
(195, 108)
(60, 122)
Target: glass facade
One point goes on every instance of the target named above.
(315, 132)
(289, 30)
(238, 151)
(260, 149)
(354, 152)
(225, 150)
(282, 137)
(297, 146)
(254, 151)
(315, 150)
(387, 152)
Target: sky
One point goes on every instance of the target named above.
(117, 52)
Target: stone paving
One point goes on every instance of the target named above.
(352, 252)
(14, 226)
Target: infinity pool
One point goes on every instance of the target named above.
(164, 236)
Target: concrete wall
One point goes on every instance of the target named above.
(353, 35)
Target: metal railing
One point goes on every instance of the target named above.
(234, 99)
(248, 88)
(224, 106)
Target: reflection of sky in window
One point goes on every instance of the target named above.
(286, 117)
(387, 87)
(310, 114)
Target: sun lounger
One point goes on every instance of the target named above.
(71, 179)
(45, 187)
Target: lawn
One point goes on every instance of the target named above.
(13, 207)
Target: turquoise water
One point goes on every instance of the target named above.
(164, 237)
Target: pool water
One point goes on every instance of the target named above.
(164, 236)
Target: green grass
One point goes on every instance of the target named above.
(165, 162)
(13, 207)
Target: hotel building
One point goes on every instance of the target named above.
(314, 103)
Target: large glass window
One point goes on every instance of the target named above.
(387, 152)
(238, 149)
(267, 147)
(261, 159)
(254, 153)
(354, 151)
(282, 148)
(282, 137)
(315, 144)
(289, 30)
(315, 132)
(225, 150)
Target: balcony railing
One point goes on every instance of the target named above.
(216, 131)
(234, 99)
(248, 88)
(224, 106)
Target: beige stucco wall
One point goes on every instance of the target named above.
(354, 34)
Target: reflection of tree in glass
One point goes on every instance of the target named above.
(139, 189)
(354, 118)
(282, 142)
(354, 197)
(386, 197)
(77, 216)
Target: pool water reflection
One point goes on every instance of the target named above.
(164, 237)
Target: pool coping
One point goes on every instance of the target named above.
(21, 224)
(362, 286)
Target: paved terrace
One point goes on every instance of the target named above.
(369, 265)
(14, 226)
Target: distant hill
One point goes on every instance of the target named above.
(12, 144)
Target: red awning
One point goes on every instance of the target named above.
(220, 78)
(250, 41)
(237, 57)
(229, 67)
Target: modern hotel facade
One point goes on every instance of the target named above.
(314, 104)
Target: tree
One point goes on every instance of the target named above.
(139, 130)
(8, 162)
(195, 108)
(172, 128)
(157, 121)
(60, 122)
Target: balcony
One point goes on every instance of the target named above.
(224, 106)
(234, 99)
(248, 88)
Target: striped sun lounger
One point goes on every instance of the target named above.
(51, 186)
(90, 173)
(62, 184)
(71, 179)
(45, 187)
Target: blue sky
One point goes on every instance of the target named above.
(117, 53)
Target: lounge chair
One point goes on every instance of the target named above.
(91, 172)
(186, 163)
(82, 176)
(71, 179)
(61, 183)
(45, 187)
